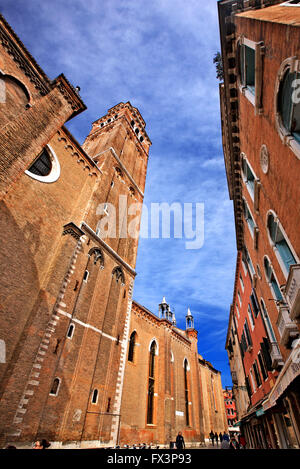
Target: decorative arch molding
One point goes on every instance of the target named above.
(118, 274)
(19, 83)
(156, 345)
(54, 173)
(98, 256)
(293, 65)
(186, 364)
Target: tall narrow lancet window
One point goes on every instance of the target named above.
(151, 381)
(132, 341)
(55, 387)
(186, 394)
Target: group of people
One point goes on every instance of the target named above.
(227, 442)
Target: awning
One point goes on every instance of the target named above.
(288, 374)
(255, 411)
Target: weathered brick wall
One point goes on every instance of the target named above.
(169, 400)
(280, 187)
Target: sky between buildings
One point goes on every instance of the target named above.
(157, 54)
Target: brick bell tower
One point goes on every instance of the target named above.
(77, 359)
(119, 145)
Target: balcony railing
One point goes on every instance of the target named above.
(292, 291)
(288, 329)
(276, 356)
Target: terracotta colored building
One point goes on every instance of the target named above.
(70, 343)
(230, 409)
(260, 131)
(168, 386)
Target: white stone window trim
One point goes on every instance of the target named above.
(70, 337)
(55, 170)
(156, 343)
(288, 139)
(267, 321)
(97, 395)
(188, 364)
(267, 280)
(57, 390)
(289, 4)
(255, 99)
(237, 310)
(242, 282)
(251, 319)
(248, 224)
(285, 271)
(255, 193)
(252, 273)
(239, 297)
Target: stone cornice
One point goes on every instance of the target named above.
(141, 310)
(73, 230)
(70, 95)
(16, 49)
(87, 230)
(113, 152)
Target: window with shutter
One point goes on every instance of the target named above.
(265, 350)
(280, 243)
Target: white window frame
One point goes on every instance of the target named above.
(55, 170)
(57, 391)
(293, 64)
(289, 4)
(242, 283)
(87, 277)
(252, 231)
(255, 99)
(251, 319)
(73, 330)
(239, 297)
(285, 271)
(267, 280)
(94, 403)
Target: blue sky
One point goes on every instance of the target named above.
(158, 55)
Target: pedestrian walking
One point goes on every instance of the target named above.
(180, 444)
(220, 437)
(212, 437)
(216, 438)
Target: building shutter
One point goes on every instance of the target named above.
(250, 68)
(285, 253)
(265, 349)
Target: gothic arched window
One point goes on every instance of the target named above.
(132, 342)
(151, 382)
(186, 393)
(55, 387)
(118, 275)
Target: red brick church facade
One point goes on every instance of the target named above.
(65, 289)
